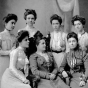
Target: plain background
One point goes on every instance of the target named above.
(44, 9)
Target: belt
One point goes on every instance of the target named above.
(57, 51)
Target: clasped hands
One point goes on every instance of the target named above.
(52, 76)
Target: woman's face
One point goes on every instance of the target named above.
(10, 25)
(72, 43)
(25, 42)
(55, 25)
(30, 20)
(78, 26)
(41, 46)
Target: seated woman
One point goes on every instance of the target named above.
(78, 63)
(42, 64)
(15, 75)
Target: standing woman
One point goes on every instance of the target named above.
(30, 17)
(79, 23)
(15, 75)
(7, 40)
(78, 63)
(57, 41)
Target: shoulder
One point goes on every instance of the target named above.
(34, 56)
(2, 34)
(21, 29)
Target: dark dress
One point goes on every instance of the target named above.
(78, 63)
(40, 67)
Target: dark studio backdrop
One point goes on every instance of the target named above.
(44, 9)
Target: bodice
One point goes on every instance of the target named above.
(6, 40)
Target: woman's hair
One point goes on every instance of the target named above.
(78, 18)
(21, 35)
(37, 37)
(55, 17)
(28, 12)
(10, 17)
(73, 35)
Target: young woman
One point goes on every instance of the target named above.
(78, 63)
(30, 17)
(43, 65)
(78, 23)
(15, 75)
(7, 40)
(57, 39)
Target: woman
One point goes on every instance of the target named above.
(42, 64)
(57, 39)
(30, 16)
(78, 23)
(15, 75)
(78, 63)
(7, 40)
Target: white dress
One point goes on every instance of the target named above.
(15, 75)
(58, 40)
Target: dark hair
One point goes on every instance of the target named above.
(37, 37)
(55, 17)
(10, 17)
(21, 35)
(30, 11)
(78, 18)
(73, 35)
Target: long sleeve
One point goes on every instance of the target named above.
(3, 52)
(86, 65)
(35, 70)
(55, 70)
(13, 67)
(63, 63)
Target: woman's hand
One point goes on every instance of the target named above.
(52, 76)
(26, 81)
(64, 74)
(82, 83)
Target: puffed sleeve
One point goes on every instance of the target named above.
(13, 65)
(55, 70)
(34, 67)
(85, 59)
(63, 63)
(3, 52)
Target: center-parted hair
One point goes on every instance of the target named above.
(28, 12)
(78, 18)
(55, 17)
(72, 35)
(9, 17)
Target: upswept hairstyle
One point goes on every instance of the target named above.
(9, 17)
(55, 17)
(21, 35)
(28, 12)
(78, 18)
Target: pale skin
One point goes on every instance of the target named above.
(41, 47)
(9, 26)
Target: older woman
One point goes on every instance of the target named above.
(43, 65)
(7, 40)
(78, 23)
(78, 63)
(15, 75)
